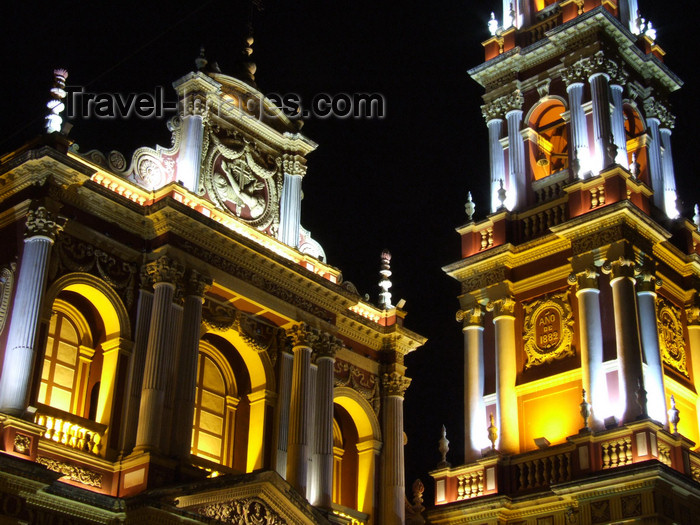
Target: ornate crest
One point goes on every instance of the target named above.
(243, 181)
(671, 339)
(548, 330)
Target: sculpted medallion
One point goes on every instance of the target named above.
(671, 339)
(548, 330)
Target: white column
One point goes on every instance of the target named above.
(186, 379)
(669, 175)
(138, 360)
(497, 161)
(655, 166)
(283, 399)
(312, 472)
(629, 350)
(393, 496)
(475, 433)
(579, 131)
(190, 155)
(20, 350)
(591, 338)
(504, 322)
(300, 409)
(601, 120)
(164, 272)
(618, 126)
(290, 201)
(516, 158)
(324, 421)
(654, 376)
(172, 356)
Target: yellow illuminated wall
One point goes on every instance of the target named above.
(685, 403)
(551, 412)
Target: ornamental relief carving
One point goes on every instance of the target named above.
(656, 109)
(241, 180)
(671, 341)
(7, 283)
(361, 381)
(72, 472)
(249, 511)
(484, 279)
(548, 330)
(78, 256)
(502, 105)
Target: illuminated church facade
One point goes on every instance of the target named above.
(580, 291)
(176, 349)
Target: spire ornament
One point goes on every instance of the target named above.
(696, 217)
(493, 432)
(642, 399)
(470, 207)
(493, 24)
(54, 121)
(585, 410)
(384, 282)
(674, 415)
(501, 195)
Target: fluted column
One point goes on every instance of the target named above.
(172, 356)
(504, 322)
(693, 315)
(653, 110)
(591, 338)
(579, 131)
(475, 414)
(290, 202)
(393, 497)
(20, 350)
(325, 360)
(186, 381)
(285, 361)
(164, 272)
(516, 158)
(494, 122)
(618, 123)
(629, 350)
(189, 157)
(654, 376)
(300, 408)
(138, 361)
(670, 195)
(602, 132)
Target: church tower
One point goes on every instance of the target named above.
(579, 290)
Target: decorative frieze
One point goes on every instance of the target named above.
(248, 511)
(72, 472)
(362, 381)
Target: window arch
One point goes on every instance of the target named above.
(549, 139)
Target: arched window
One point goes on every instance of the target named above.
(346, 477)
(208, 434)
(65, 370)
(541, 4)
(549, 140)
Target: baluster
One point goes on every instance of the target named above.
(480, 483)
(606, 455)
(629, 450)
(601, 195)
(460, 487)
(521, 478)
(531, 474)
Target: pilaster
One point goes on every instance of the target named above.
(475, 413)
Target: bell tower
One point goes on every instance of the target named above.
(578, 286)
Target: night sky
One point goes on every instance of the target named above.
(399, 182)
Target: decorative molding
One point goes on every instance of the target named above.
(196, 283)
(22, 444)
(7, 284)
(619, 268)
(548, 330)
(585, 279)
(671, 341)
(471, 317)
(501, 307)
(362, 381)
(249, 511)
(294, 164)
(302, 335)
(499, 107)
(327, 345)
(656, 109)
(72, 472)
(484, 279)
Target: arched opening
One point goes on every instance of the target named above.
(635, 133)
(356, 444)
(549, 139)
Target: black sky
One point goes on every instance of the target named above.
(398, 183)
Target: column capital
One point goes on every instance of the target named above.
(395, 384)
(618, 268)
(473, 316)
(294, 164)
(654, 108)
(647, 280)
(502, 307)
(574, 74)
(500, 106)
(327, 346)
(692, 311)
(586, 279)
(196, 283)
(164, 270)
(41, 222)
(302, 335)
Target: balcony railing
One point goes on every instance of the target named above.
(70, 430)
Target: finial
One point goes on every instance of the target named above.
(674, 415)
(493, 24)
(493, 432)
(501, 195)
(53, 119)
(444, 448)
(585, 410)
(696, 217)
(638, 23)
(418, 489)
(201, 61)
(642, 399)
(469, 207)
(385, 283)
(512, 15)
